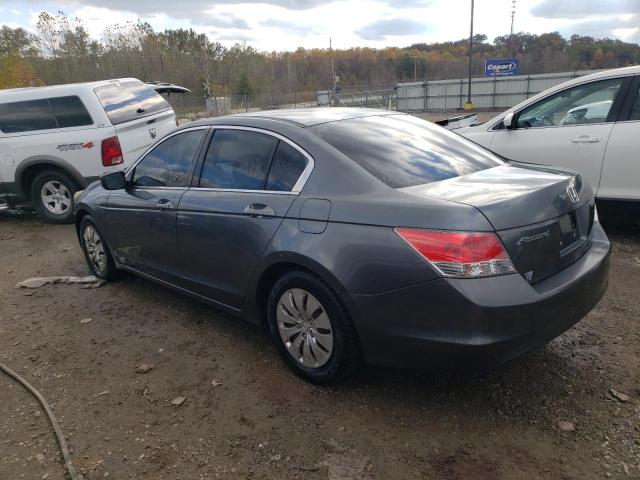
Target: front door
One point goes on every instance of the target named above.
(142, 216)
(226, 221)
(568, 129)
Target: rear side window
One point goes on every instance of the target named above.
(70, 112)
(238, 159)
(126, 101)
(403, 151)
(44, 114)
(286, 168)
(169, 164)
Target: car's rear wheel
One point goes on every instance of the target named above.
(52, 196)
(312, 329)
(96, 250)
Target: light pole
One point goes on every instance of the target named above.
(469, 104)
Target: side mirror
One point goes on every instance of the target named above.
(507, 121)
(113, 180)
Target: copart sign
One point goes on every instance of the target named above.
(501, 67)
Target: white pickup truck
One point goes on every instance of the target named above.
(56, 140)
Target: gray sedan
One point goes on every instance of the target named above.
(355, 236)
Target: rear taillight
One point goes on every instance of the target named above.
(111, 152)
(460, 254)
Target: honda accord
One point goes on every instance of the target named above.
(355, 236)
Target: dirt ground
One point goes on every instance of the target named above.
(548, 415)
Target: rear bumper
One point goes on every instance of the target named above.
(449, 324)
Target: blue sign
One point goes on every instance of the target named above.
(501, 67)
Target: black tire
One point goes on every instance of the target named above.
(63, 196)
(109, 270)
(345, 358)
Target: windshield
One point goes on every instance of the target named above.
(403, 151)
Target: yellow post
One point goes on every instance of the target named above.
(468, 106)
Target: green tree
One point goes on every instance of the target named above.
(243, 87)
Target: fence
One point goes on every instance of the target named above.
(193, 105)
(378, 97)
(486, 93)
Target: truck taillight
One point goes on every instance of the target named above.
(460, 254)
(111, 152)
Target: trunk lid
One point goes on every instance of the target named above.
(542, 215)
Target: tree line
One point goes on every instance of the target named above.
(62, 51)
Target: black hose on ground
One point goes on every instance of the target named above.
(54, 423)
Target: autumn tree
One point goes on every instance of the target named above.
(15, 72)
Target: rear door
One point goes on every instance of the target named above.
(568, 129)
(142, 216)
(621, 169)
(248, 181)
(139, 114)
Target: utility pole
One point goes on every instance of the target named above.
(513, 15)
(469, 105)
(333, 75)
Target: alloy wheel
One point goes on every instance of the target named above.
(305, 328)
(56, 197)
(95, 248)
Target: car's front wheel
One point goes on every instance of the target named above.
(311, 328)
(96, 250)
(52, 196)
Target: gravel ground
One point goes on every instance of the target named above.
(547, 415)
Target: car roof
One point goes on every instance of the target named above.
(612, 72)
(300, 117)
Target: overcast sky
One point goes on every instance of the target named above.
(288, 24)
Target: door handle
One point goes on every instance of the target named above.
(260, 210)
(165, 204)
(585, 139)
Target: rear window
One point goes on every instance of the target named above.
(125, 101)
(403, 151)
(44, 114)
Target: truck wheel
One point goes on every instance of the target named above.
(52, 196)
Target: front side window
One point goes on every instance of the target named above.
(238, 159)
(129, 100)
(26, 116)
(403, 151)
(580, 105)
(169, 164)
(635, 110)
